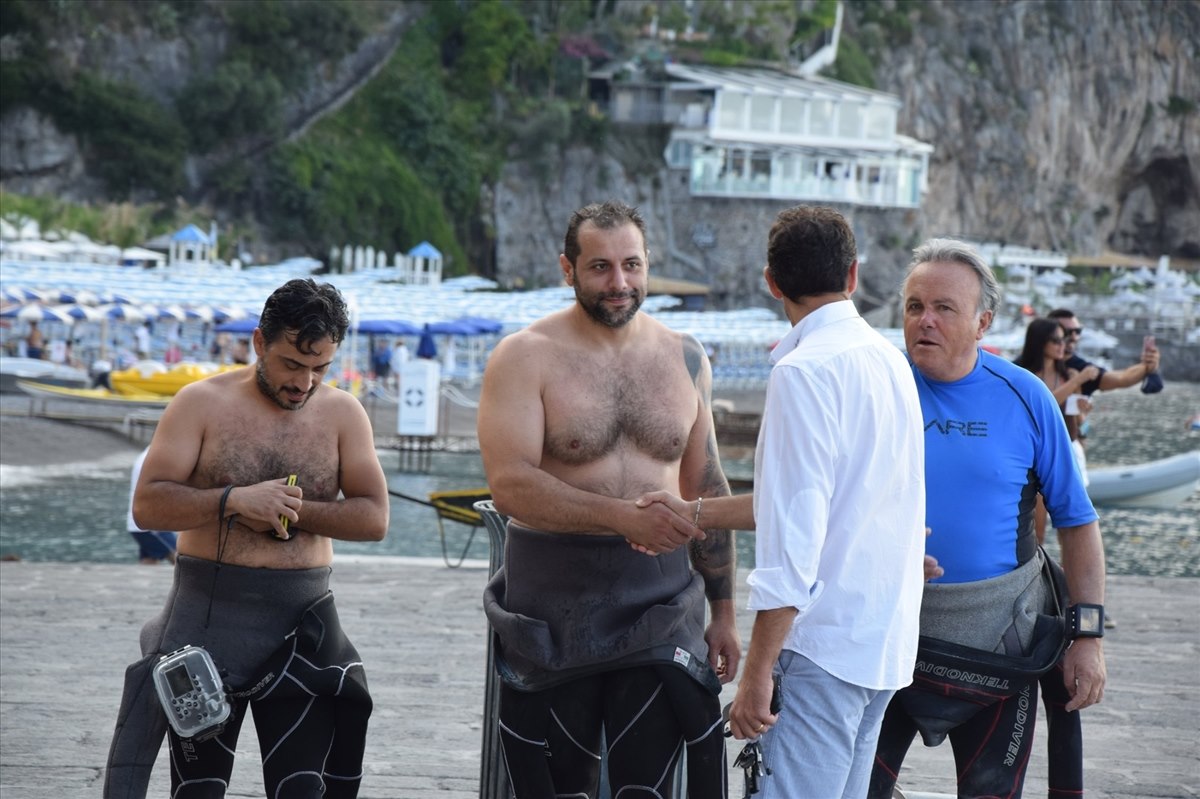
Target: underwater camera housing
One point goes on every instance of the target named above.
(192, 693)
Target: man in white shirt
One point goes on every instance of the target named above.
(839, 506)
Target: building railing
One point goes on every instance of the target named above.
(856, 192)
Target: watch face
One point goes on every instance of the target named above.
(1089, 621)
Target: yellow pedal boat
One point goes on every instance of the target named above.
(152, 377)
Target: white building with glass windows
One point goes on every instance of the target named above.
(763, 134)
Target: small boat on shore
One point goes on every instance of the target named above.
(152, 377)
(1162, 483)
(13, 369)
(97, 396)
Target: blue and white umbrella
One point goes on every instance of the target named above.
(175, 312)
(22, 294)
(80, 297)
(228, 313)
(116, 298)
(124, 313)
(36, 312)
(82, 313)
(199, 313)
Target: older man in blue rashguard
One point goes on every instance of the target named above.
(994, 440)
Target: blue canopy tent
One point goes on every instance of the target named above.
(481, 324)
(387, 327)
(454, 327)
(246, 325)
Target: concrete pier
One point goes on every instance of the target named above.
(69, 630)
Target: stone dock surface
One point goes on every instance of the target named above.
(69, 630)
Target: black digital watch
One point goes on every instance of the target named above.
(1085, 621)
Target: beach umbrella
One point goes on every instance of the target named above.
(454, 327)
(228, 313)
(20, 294)
(481, 324)
(175, 312)
(386, 327)
(244, 325)
(115, 298)
(426, 348)
(124, 313)
(73, 297)
(36, 312)
(82, 313)
(198, 313)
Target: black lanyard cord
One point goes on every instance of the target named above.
(222, 542)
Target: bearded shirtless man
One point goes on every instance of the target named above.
(217, 470)
(581, 413)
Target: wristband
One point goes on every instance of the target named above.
(696, 521)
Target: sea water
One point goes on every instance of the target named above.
(77, 513)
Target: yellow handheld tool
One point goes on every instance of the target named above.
(284, 519)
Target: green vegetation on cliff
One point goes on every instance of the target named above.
(410, 157)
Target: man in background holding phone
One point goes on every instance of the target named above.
(1144, 371)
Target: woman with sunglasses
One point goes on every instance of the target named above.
(1044, 354)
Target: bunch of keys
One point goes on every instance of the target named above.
(750, 759)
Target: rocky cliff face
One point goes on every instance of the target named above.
(1067, 125)
(1071, 125)
(717, 241)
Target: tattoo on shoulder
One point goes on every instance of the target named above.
(693, 357)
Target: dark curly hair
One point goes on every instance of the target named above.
(809, 251)
(310, 310)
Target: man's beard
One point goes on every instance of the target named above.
(595, 308)
(275, 395)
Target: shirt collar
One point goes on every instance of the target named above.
(827, 314)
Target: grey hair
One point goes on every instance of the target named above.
(959, 252)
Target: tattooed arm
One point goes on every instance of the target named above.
(713, 556)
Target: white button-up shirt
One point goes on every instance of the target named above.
(839, 499)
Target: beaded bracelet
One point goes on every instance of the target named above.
(696, 521)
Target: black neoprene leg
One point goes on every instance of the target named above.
(992, 748)
(294, 735)
(642, 734)
(202, 770)
(895, 737)
(543, 750)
